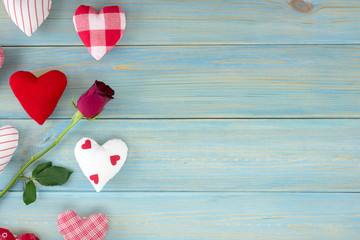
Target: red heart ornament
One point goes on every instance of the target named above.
(38, 96)
(73, 227)
(27, 236)
(7, 235)
(99, 31)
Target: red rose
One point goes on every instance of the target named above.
(92, 102)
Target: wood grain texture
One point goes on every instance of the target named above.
(201, 82)
(195, 216)
(208, 155)
(205, 22)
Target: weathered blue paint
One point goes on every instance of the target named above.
(240, 122)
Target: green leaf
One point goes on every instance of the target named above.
(29, 195)
(39, 168)
(53, 176)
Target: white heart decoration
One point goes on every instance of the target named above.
(28, 15)
(9, 138)
(100, 163)
(2, 57)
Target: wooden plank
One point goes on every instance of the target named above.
(206, 22)
(208, 155)
(202, 82)
(195, 216)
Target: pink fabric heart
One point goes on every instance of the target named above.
(99, 31)
(73, 227)
(2, 57)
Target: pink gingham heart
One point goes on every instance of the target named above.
(2, 57)
(99, 31)
(28, 15)
(9, 138)
(73, 227)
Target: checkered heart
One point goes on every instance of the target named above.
(73, 227)
(2, 57)
(99, 31)
(28, 15)
(9, 138)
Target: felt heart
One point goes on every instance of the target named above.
(7, 235)
(99, 31)
(38, 96)
(9, 138)
(73, 227)
(2, 57)
(100, 163)
(28, 15)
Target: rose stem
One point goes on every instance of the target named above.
(76, 118)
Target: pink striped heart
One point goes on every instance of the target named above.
(2, 57)
(28, 15)
(9, 138)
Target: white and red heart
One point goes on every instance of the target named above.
(73, 227)
(100, 163)
(9, 138)
(5, 234)
(99, 31)
(28, 15)
(2, 57)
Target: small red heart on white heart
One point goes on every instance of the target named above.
(28, 15)
(9, 138)
(100, 163)
(99, 31)
(2, 57)
(73, 227)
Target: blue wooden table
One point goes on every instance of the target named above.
(242, 120)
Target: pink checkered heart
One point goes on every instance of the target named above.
(28, 15)
(9, 138)
(2, 57)
(99, 31)
(73, 227)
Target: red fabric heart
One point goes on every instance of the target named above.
(38, 96)
(86, 145)
(99, 31)
(73, 227)
(27, 236)
(114, 159)
(7, 235)
(95, 178)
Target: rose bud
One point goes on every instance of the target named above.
(92, 102)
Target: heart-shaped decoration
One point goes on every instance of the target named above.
(38, 96)
(28, 15)
(9, 138)
(73, 227)
(100, 163)
(2, 57)
(7, 235)
(99, 31)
